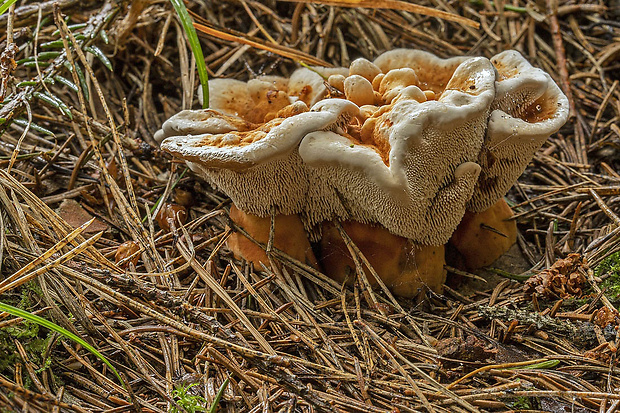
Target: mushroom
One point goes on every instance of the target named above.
(405, 267)
(433, 72)
(528, 108)
(337, 81)
(260, 169)
(402, 153)
(482, 237)
(289, 237)
(413, 169)
(359, 90)
(309, 84)
(399, 176)
(197, 122)
(395, 81)
(364, 68)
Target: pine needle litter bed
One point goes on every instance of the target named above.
(120, 288)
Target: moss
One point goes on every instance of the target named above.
(520, 403)
(573, 303)
(187, 400)
(34, 339)
(609, 264)
(610, 267)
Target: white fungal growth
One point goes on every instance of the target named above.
(417, 141)
(396, 80)
(364, 68)
(358, 90)
(528, 108)
(417, 173)
(337, 81)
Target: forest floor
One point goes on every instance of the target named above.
(185, 319)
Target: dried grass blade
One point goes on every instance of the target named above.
(53, 219)
(219, 290)
(358, 265)
(608, 211)
(394, 5)
(117, 140)
(385, 349)
(276, 49)
(357, 255)
(14, 209)
(308, 341)
(2, 238)
(601, 109)
(129, 208)
(65, 257)
(21, 138)
(47, 254)
(494, 366)
(32, 395)
(135, 305)
(356, 340)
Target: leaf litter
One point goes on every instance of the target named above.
(177, 315)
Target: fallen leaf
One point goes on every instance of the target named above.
(73, 213)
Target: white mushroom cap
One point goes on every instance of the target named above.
(278, 82)
(417, 176)
(309, 85)
(359, 90)
(433, 72)
(229, 96)
(252, 100)
(364, 68)
(527, 109)
(265, 174)
(410, 165)
(258, 87)
(196, 122)
(277, 138)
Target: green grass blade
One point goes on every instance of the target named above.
(5, 6)
(80, 74)
(194, 44)
(66, 82)
(104, 36)
(18, 312)
(218, 396)
(161, 198)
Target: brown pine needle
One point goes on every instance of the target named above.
(394, 5)
(57, 247)
(65, 257)
(273, 48)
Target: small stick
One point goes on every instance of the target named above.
(560, 54)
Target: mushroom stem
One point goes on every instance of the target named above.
(482, 237)
(405, 267)
(289, 237)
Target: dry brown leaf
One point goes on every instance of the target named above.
(561, 280)
(72, 212)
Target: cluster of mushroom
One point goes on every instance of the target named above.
(397, 150)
